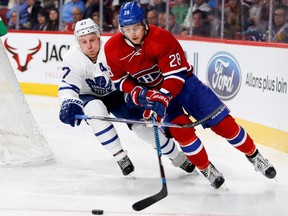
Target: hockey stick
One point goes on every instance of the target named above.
(151, 123)
(142, 204)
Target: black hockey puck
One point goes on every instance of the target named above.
(97, 211)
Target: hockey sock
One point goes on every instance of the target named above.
(190, 144)
(104, 131)
(235, 135)
(108, 137)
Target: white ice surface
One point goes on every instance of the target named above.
(83, 176)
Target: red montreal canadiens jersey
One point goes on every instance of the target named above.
(160, 62)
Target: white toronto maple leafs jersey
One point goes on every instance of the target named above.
(81, 76)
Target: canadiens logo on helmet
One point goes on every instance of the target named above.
(224, 75)
(131, 13)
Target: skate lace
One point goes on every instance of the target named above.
(124, 162)
(185, 164)
(261, 164)
(211, 173)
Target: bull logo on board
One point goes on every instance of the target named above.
(29, 56)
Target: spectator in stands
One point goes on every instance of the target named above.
(94, 6)
(33, 7)
(91, 7)
(53, 20)
(12, 21)
(11, 4)
(214, 18)
(280, 28)
(23, 14)
(180, 10)
(282, 35)
(96, 18)
(67, 16)
(245, 14)
(173, 27)
(200, 25)
(152, 17)
(232, 13)
(255, 12)
(116, 4)
(214, 3)
(256, 26)
(158, 5)
(42, 18)
(198, 4)
(50, 4)
(161, 21)
(113, 28)
(262, 26)
(77, 15)
(284, 2)
(265, 9)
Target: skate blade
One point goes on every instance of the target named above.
(131, 175)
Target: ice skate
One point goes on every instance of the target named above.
(183, 162)
(262, 165)
(188, 167)
(126, 165)
(214, 176)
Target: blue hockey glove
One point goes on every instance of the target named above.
(129, 101)
(69, 108)
(158, 103)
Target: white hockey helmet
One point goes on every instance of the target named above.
(86, 26)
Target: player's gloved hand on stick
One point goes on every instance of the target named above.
(158, 103)
(129, 101)
(69, 108)
(140, 95)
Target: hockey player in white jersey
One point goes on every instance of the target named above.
(86, 88)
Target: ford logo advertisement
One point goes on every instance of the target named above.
(224, 75)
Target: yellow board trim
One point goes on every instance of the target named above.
(39, 89)
(261, 134)
(267, 136)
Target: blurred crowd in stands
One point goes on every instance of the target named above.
(255, 20)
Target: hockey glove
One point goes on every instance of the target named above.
(140, 95)
(69, 108)
(129, 101)
(158, 102)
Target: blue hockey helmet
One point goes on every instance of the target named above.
(131, 13)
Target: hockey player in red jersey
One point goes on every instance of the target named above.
(86, 88)
(148, 63)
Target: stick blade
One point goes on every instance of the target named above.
(142, 204)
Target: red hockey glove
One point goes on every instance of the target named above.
(140, 96)
(158, 102)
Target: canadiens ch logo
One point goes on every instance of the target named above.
(29, 56)
(224, 75)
